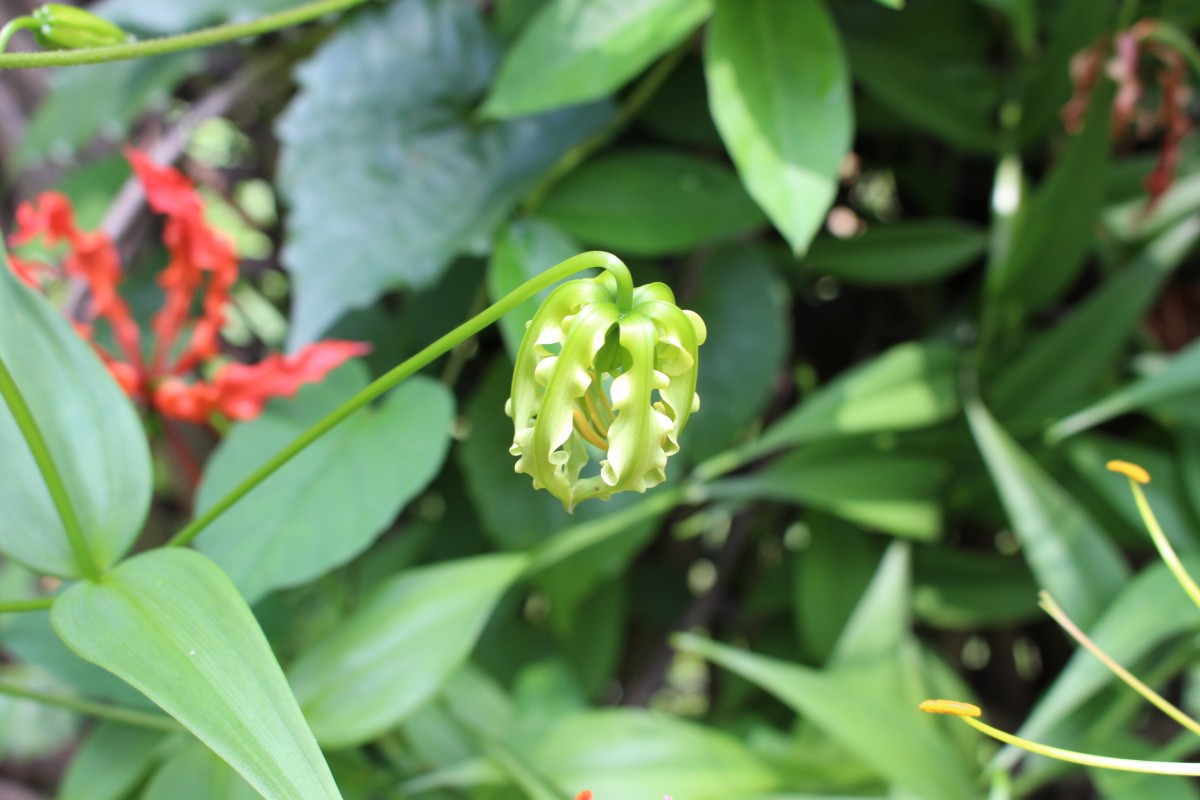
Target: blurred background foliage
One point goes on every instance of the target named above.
(946, 256)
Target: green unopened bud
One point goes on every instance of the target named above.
(591, 380)
(63, 27)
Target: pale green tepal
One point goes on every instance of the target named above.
(593, 378)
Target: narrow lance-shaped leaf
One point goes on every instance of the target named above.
(172, 625)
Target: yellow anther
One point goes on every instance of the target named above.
(952, 707)
(1129, 470)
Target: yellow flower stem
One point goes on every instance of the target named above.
(1158, 701)
(1169, 556)
(1087, 759)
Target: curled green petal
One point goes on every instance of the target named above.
(595, 382)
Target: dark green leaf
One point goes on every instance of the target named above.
(172, 625)
(523, 249)
(194, 773)
(575, 50)
(387, 176)
(883, 615)
(780, 95)
(899, 253)
(965, 590)
(897, 742)
(330, 502)
(892, 491)
(90, 428)
(112, 762)
(1069, 554)
(651, 202)
(913, 385)
(744, 306)
(1061, 366)
(399, 648)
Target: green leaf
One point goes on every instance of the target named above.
(103, 99)
(894, 740)
(964, 590)
(744, 305)
(883, 616)
(399, 648)
(912, 385)
(1177, 378)
(892, 491)
(1054, 227)
(28, 729)
(171, 624)
(387, 175)
(330, 502)
(180, 17)
(780, 95)
(194, 773)
(637, 753)
(112, 762)
(1062, 365)
(90, 429)
(524, 248)
(651, 202)
(899, 252)
(575, 50)
(1069, 554)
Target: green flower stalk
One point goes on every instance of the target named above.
(602, 375)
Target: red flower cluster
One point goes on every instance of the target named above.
(202, 264)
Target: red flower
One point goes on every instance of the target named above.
(202, 264)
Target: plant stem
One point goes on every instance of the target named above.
(381, 385)
(26, 422)
(637, 98)
(14, 25)
(173, 44)
(18, 606)
(129, 716)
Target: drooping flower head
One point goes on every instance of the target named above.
(594, 379)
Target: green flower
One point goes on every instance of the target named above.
(592, 379)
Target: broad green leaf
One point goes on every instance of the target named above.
(113, 760)
(892, 491)
(1148, 611)
(524, 248)
(780, 95)
(1054, 227)
(100, 100)
(627, 753)
(883, 616)
(1178, 377)
(1069, 554)
(899, 252)
(965, 590)
(330, 502)
(651, 202)
(744, 305)
(912, 385)
(578, 50)
(1060, 367)
(171, 624)
(90, 429)
(399, 648)
(894, 740)
(194, 773)
(387, 175)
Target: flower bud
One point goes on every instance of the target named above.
(593, 381)
(66, 27)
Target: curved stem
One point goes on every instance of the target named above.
(14, 25)
(17, 606)
(129, 716)
(32, 434)
(1165, 550)
(173, 44)
(381, 385)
